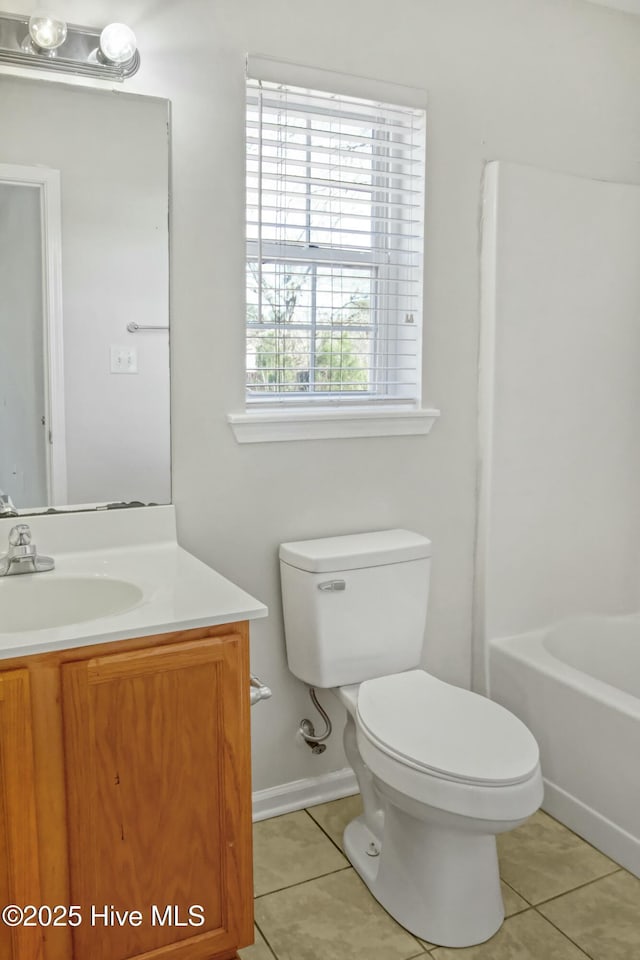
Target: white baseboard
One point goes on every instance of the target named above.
(593, 826)
(303, 793)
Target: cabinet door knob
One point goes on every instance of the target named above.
(258, 690)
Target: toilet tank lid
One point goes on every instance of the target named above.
(355, 550)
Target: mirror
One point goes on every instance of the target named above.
(84, 289)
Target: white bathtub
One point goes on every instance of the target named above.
(577, 687)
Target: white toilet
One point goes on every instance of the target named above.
(441, 770)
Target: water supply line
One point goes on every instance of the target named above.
(307, 730)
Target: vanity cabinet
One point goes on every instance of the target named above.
(19, 870)
(136, 805)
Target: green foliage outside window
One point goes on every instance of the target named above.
(292, 354)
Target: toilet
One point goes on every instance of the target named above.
(441, 770)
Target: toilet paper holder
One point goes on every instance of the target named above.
(258, 690)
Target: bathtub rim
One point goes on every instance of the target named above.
(527, 652)
(529, 649)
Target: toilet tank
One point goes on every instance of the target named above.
(354, 606)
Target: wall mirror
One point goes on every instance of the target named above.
(84, 296)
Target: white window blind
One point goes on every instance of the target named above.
(335, 213)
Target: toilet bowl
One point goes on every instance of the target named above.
(441, 770)
(433, 805)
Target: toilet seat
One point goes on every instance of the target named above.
(445, 731)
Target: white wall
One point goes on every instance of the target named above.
(561, 436)
(629, 6)
(548, 82)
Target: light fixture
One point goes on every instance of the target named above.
(45, 42)
(117, 43)
(47, 33)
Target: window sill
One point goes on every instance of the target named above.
(269, 426)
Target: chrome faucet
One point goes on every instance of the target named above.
(7, 509)
(22, 555)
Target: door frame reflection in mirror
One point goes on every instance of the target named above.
(47, 181)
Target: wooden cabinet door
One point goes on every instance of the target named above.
(157, 753)
(19, 872)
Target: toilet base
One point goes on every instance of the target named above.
(441, 884)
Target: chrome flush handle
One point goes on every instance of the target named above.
(258, 690)
(332, 585)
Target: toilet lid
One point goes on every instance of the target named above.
(445, 730)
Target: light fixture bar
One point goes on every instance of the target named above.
(78, 54)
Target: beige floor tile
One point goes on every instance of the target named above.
(335, 815)
(526, 936)
(427, 947)
(603, 917)
(513, 902)
(289, 850)
(259, 950)
(542, 859)
(332, 918)
(426, 944)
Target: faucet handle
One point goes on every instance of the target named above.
(20, 535)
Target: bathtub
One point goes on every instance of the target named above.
(577, 687)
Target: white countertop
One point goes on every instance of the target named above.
(178, 591)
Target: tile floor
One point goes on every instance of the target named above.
(564, 900)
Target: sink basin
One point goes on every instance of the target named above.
(37, 601)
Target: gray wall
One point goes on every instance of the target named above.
(552, 83)
(561, 432)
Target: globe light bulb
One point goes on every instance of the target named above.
(117, 43)
(46, 32)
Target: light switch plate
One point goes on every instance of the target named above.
(124, 360)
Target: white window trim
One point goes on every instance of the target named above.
(326, 422)
(345, 84)
(272, 426)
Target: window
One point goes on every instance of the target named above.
(335, 212)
